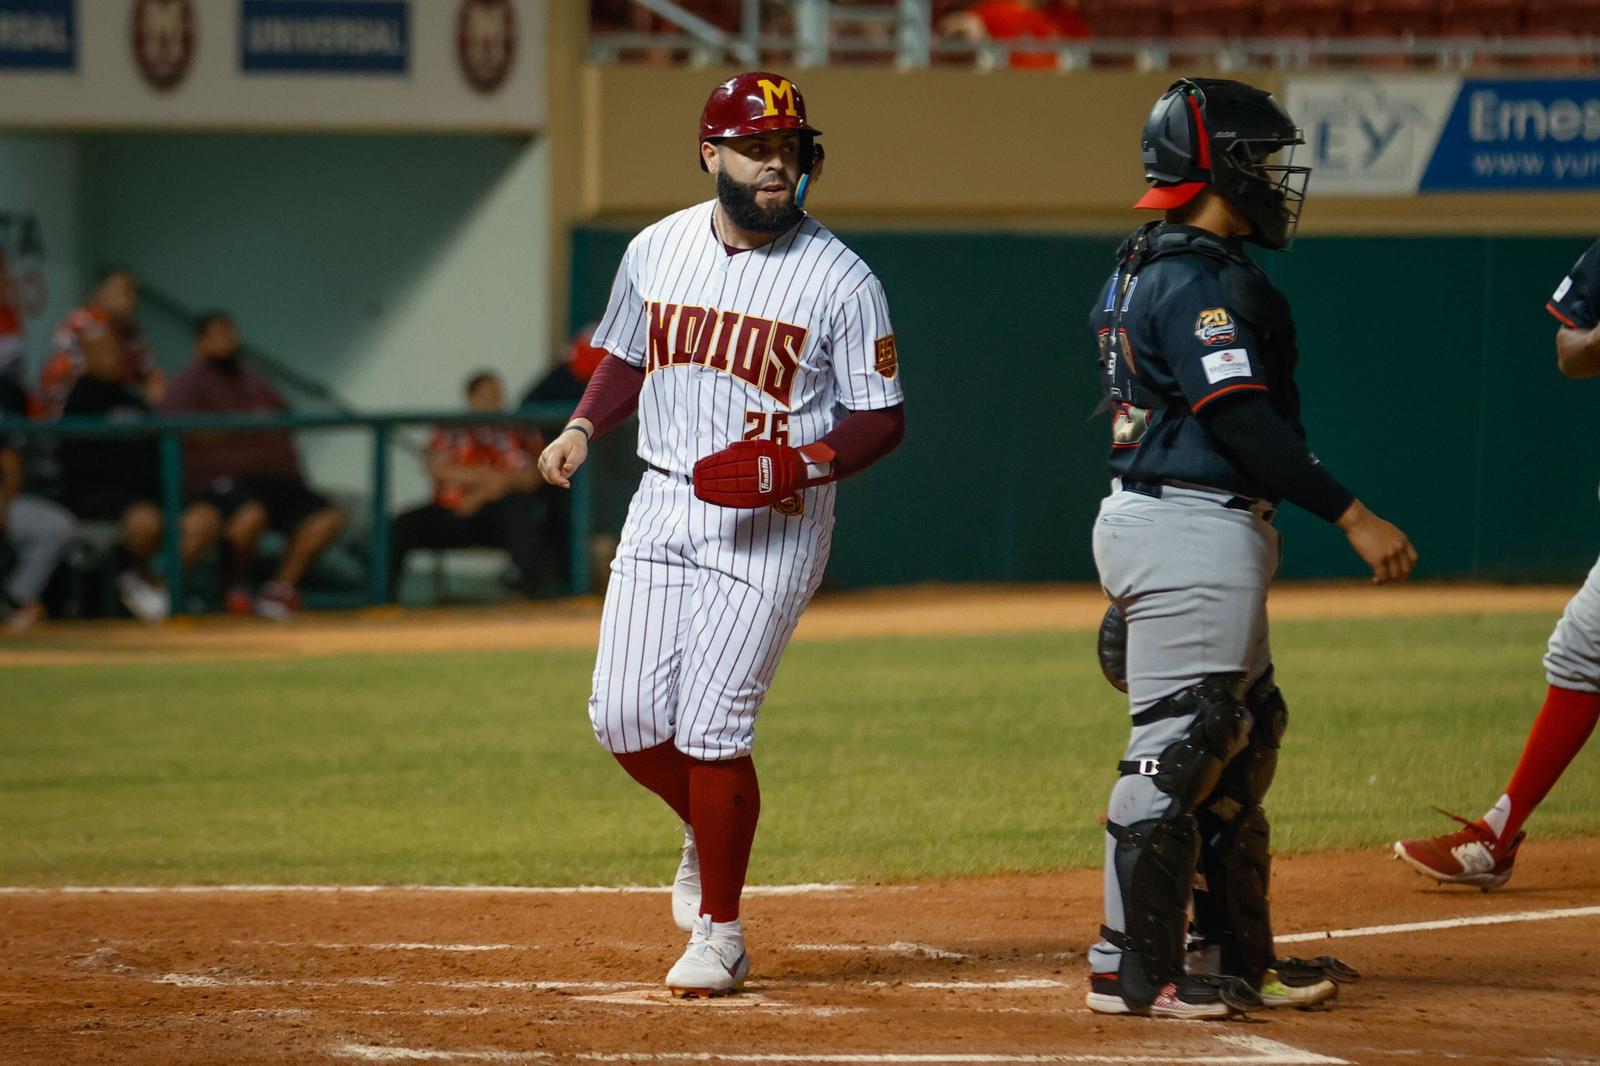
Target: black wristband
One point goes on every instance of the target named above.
(573, 425)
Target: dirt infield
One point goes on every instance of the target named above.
(969, 971)
(917, 611)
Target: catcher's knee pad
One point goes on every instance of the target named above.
(1154, 861)
(1232, 909)
(1246, 779)
(1112, 648)
(1189, 768)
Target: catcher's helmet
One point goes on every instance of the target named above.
(756, 102)
(1211, 132)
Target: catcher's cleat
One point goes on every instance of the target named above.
(1198, 997)
(1472, 855)
(1301, 992)
(714, 964)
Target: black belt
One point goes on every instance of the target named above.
(1264, 508)
(664, 472)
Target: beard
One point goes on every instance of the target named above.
(739, 201)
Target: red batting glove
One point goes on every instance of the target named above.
(756, 473)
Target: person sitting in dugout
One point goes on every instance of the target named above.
(252, 478)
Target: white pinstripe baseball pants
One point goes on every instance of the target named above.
(700, 606)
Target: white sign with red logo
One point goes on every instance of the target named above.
(1229, 363)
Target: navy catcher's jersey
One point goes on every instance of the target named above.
(1186, 320)
(1576, 301)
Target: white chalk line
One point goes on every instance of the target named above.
(806, 889)
(211, 980)
(899, 947)
(402, 946)
(1247, 1051)
(1443, 923)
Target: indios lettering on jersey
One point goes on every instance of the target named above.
(762, 352)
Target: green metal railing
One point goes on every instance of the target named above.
(170, 430)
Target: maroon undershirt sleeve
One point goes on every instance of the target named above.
(611, 395)
(864, 437)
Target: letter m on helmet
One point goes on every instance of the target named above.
(773, 94)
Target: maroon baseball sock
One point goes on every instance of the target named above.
(1564, 724)
(725, 799)
(664, 770)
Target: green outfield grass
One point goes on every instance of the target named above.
(880, 759)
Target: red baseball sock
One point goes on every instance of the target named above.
(664, 770)
(1564, 724)
(725, 799)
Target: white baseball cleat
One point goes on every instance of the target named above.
(686, 884)
(715, 962)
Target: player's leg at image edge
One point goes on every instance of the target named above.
(1482, 853)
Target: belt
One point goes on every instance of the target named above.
(1260, 508)
(683, 479)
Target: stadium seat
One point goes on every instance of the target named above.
(1394, 18)
(1305, 18)
(1215, 18)
(1563, 18)
(1482, 18)
(1127, 18)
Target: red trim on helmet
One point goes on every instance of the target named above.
(1204, 138)
(1166, 197)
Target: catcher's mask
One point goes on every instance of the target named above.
(1224, 135)
(761, 102)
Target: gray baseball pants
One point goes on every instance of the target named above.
(1190, 577)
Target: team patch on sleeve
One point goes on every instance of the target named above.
(1214, 327)
(887, 362)
(1232, 363)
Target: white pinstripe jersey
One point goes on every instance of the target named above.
(778, 342)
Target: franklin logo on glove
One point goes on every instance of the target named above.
(764, 474)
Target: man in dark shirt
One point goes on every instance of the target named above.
(1197, 355)
(38, 530)
(252, 478)
(118, 479)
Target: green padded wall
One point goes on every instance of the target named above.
(1428, 371)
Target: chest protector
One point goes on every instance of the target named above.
(1250, 295)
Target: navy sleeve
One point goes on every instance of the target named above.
(1577, 299)
(1210, 350)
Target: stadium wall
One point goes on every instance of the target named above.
(386, 267)
(1428, 371)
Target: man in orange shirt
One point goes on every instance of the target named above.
(107, 321)
(484, 480)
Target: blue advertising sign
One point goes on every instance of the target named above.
(325, 36)
(1519, 134)
(38, 35)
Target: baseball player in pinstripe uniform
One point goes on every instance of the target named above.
(758, 353)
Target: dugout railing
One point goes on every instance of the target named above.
(381, 426)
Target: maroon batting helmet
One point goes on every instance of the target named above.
(752, 103)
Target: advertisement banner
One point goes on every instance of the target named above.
(327, 36)
(38, 35)
(1398, 136)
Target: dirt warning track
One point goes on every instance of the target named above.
(909, 612)
(988, 970)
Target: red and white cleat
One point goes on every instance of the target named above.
(1470, 856)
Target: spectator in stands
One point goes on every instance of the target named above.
(118, 479)
(484, 479)
(38, 530)
(107, 323)
(251, 478)
(1006, 20)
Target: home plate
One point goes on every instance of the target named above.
(664, 998)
